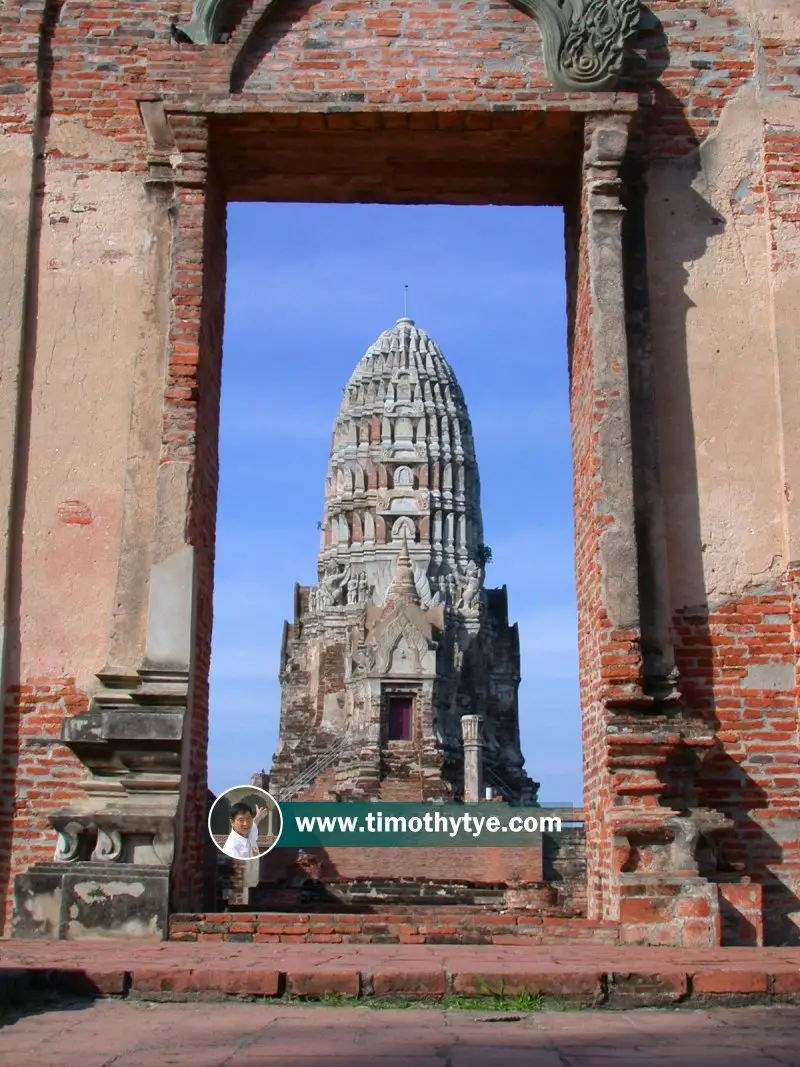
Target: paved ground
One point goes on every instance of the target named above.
(599, 973)
(125, 1033)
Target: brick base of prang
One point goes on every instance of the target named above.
(339, 899)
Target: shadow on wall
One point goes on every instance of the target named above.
(747, 849)
(262, 39)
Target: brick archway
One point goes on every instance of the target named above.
(256, 155)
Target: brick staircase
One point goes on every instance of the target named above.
(443, 925)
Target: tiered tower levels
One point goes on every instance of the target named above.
(399, 640)
(402, 462)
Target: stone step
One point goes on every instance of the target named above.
(430, 926)
(586, 975)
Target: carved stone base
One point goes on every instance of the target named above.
(90, 901)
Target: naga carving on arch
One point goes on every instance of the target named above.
(211, 20)
(583, 40)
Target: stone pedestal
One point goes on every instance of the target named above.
(114, 852)
(54, 901)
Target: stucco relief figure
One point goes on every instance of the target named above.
(470, 587)
(356, 663)
(439, 590)
(362, 660)
(352, 589)
(333, 585)
(363, 588)
(448, 589)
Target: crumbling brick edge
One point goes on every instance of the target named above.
(584, 988)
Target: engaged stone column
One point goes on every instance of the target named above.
(472, 732)
(608, 388)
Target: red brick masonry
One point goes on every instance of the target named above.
(596, 975)
(416, 926)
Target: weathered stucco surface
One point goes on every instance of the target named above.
(99, 348)
(709, 272)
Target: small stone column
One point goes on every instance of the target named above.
(472, 733)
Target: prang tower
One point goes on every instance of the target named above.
(400, 638)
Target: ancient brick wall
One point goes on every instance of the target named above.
(433, 926)
(587, 567)
(738, 665)
(401, 789)
(191, 419)
(724, 150)
(37, 773)
(564, 866)
(475, 866)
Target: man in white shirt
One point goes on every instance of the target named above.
(242, 843)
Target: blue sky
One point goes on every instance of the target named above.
(309, 288)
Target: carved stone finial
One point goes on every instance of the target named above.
(583, 40)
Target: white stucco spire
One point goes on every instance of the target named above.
(402, 464)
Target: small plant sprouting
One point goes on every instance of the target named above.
(484, 555)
